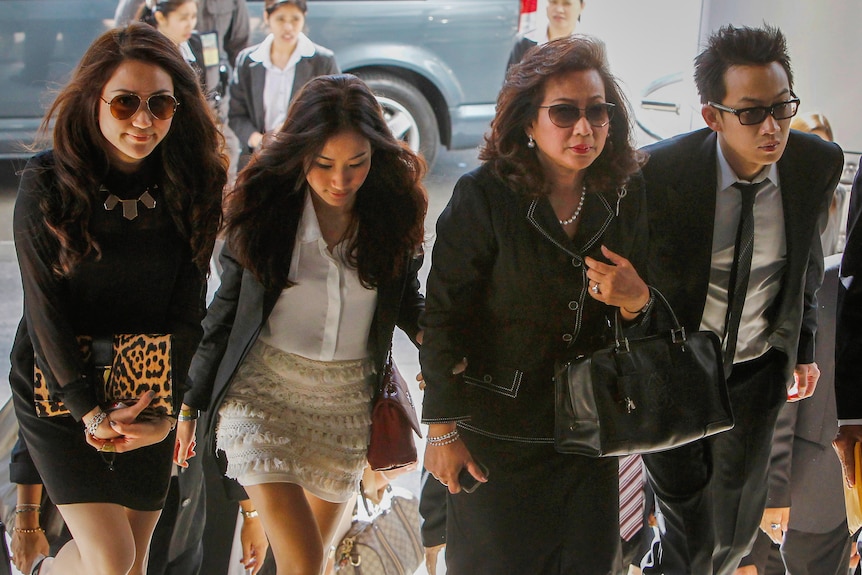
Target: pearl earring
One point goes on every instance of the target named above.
(531, 143)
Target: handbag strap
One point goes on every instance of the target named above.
(677, 333)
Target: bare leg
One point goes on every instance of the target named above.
(106, 540)
(298, 525)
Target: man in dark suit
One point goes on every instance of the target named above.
(806, 500)
(746, 168)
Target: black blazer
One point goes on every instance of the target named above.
(848, 337)
(681, 187)
(508, 290)
(241, 307)
(246, 114)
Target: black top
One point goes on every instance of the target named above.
(143, 281)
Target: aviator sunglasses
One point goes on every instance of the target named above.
(567, 115)
(160, 106)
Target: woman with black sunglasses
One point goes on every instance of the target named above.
(537, 250)
(113, 228)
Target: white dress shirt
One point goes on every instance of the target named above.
(327, 314)
(767, 262)
(279, 81)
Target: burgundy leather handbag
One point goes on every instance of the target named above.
(393, 422)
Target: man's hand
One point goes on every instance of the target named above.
(805, 376)
(844, 444)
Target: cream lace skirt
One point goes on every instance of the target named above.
(291, 419)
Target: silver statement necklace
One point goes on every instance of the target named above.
(130, 207)
(577, 210)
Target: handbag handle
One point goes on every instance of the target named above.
(677, 334)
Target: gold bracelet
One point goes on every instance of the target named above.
(248, 514)
(34, 530)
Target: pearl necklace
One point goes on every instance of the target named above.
(574, 217)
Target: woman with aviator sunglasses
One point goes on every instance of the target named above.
(114, 228)
(537, 250)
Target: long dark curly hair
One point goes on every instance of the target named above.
(389, 213)
(195, 169)
(505, 151)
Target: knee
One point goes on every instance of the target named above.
(110, 561)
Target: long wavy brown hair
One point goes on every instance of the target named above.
(505, 151)
(195, 170)
(389, 213)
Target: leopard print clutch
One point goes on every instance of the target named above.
(137, 364)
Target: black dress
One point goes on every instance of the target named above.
(143, 281)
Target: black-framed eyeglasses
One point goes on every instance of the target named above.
(160, 106)
(756, 114)
(567, 115)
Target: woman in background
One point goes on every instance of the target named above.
(563, 17)
(268, 76)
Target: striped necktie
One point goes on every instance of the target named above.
(631, 496)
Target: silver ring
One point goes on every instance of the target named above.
(775, 525)
(595, 289)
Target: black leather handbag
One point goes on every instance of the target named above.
(642, 395)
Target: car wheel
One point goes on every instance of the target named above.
(407, 112)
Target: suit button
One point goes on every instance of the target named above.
(576, 262)
(567, 337)
(573, 305)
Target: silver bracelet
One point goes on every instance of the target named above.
(444, 439)
(95, 423)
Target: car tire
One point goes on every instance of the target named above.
(407, 112)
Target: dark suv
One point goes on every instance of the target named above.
(436, 65)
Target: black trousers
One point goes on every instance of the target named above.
(711, 493)
(540, 513)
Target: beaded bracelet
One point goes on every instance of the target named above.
(444, 439)
(95, 423)
(33, 530)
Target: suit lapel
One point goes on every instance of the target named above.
(258, 83)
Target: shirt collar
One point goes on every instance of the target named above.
(304, 49)
(187, 53)
(727, 177)
(309, 227)
(538, 35)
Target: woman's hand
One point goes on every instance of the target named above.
(134, 435)
(27, 547)
(184, 448)
(446, 461)
(254, 544)
(617, 284)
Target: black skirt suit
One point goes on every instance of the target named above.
(508, 291)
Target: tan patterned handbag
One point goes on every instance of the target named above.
(387, 544)
(126, 366)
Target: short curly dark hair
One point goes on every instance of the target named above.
(505, 151)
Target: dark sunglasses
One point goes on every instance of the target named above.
(160, 106)
(756, 114)
(567, 115)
